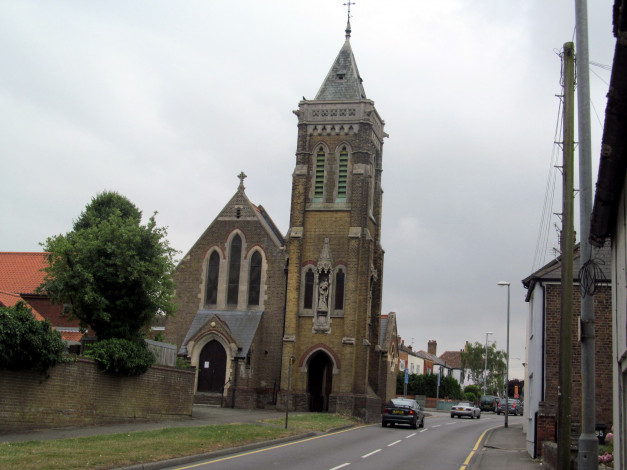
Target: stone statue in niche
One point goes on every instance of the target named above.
(323, 294)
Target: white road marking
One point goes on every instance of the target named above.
(371, 453)
(424, 430)
(393, 443)
(448, 424)
(436, 426)
(340, 466)
(411, 435)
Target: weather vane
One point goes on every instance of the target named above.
(348, 4)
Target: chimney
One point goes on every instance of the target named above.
(410, 347)
(432, 347)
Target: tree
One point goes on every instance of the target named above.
(113, 271)
(27, 343)
(473, 359)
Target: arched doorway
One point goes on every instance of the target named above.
(212, 368)
(320, 381)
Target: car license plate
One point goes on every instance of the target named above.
(398, 412)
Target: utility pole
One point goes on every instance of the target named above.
(566, 245)
(588, 442)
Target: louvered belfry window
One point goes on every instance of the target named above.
(319, 182)
(342, 174)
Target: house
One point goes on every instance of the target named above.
(453, 361)
(20, 276)
(388, 348)
(543, 350)
(408, 359)
(609, 223)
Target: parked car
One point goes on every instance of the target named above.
(489, 403)
(465, 408)
(403, 411)
(515, 407)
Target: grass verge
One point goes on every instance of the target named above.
(118, 450)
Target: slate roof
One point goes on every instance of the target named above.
(343, 81)
(551, 272)
(242, 324)
(430, 357)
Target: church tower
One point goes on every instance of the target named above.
(331, 353)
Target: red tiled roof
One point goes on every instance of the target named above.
(72, 335)
(8, 299)
(21, 273)
(452, 359)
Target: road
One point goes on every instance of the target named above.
(444, 443)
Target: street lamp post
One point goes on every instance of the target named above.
(485, 369)
(505, 283)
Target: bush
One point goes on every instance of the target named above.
(474, 389)
(471, 397)
(121, 356)
(27, 343)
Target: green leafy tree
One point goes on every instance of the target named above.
(27, 343)
(114, 271)
(473, 358)
(474, 389)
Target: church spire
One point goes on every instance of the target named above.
(348, 21)
(343, 82)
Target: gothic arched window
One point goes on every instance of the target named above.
(339, 289)
(342, 174)
(309, 288)
(254, 279)
(319, 181)
(234, 265)
(213, 273)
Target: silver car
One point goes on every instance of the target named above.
(465, 408)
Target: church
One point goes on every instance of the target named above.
(295, 320)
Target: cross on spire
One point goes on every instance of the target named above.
(348, 22)
(241, 177)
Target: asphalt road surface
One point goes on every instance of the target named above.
(444, 443)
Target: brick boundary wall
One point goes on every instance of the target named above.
(80, 394)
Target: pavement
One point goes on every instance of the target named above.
(500, 448)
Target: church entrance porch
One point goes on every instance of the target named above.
(212, 368)
(319, 381)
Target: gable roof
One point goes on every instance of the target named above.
(452, 359)
(551, 272)
(343, 81)
(21, 273)
(9, 299)
(242, 325)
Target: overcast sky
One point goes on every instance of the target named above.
(167, 101)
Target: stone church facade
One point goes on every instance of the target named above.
(301, 312)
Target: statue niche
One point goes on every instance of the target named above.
(322, 317)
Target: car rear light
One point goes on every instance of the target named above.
(411, 412)
(386, 411)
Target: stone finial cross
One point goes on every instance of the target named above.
(241, 177)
